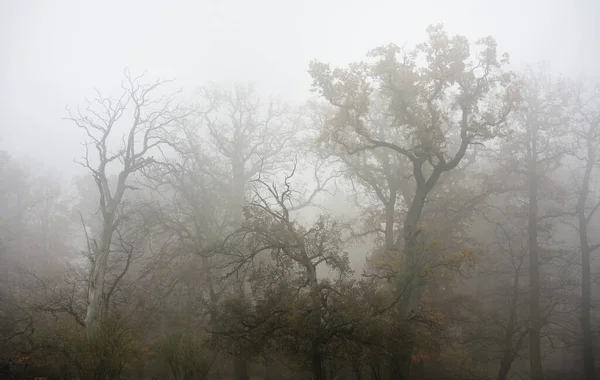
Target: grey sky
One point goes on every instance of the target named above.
(55, 52)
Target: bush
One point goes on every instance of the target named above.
(105, 355)
(188, 354)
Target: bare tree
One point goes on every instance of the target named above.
(503, 272)
(247, 134)
(143, 134)
(297, 252)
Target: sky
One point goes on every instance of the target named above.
(53, 53)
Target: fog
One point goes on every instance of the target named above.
(218, 190)
(56, 52)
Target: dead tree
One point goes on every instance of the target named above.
(142, 123)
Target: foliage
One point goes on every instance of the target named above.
(188, 354)
(108, 355)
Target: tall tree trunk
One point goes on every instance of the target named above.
(238, 202)
(589, 369)
(411, 280)
(510, 349)
(535, 350)
(412, 268)
(391, 245)
(99, 265)
(586, 329)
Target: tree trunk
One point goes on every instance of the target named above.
(411, 280)
(95, 302)
(316, 354)
(240, 368)
(507, 355)
(108, 206)
(510, 350)
(589, 369)
(238, 190)
(316, 362)
(389, 225)
(505, 365)
(535, 350)
(238, 202)
(586, 330)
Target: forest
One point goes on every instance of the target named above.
(428, 214)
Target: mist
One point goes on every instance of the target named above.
(316, 190)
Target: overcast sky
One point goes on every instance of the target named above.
(53, 52)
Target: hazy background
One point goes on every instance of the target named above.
(53, 53)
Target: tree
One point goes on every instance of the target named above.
(586, 134)
(248, 132)
(504, 327)
(149, 124)
(434, 112)
(539, 118)
(296, 252)
(247, 135)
